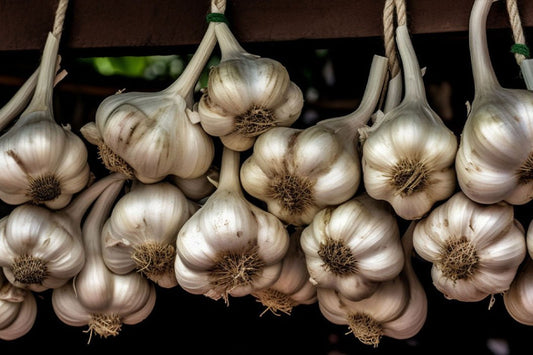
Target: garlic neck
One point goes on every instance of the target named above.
(230, 48)
(79, 206)
(184, 85)
(95, 220)
(482, 70)
(346, 127)
(42, 97)
(229, 171)
(414, 85)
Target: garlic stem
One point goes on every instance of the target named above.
(482, 70)
(348, 125)
(19, 101)
(414, 85)
(42, 97)
(230, 48)
(77, 208)
(229, 171)
(95, 220)
(184, 85)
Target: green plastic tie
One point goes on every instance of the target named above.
(216, 17)
(520, 48)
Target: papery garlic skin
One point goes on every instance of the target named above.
(246, 95)
(18, 310)
(42, 162)
(293, 287)
(353, 247)
(495, 157)
(475, 249)
(367, 319)
(198, 188)
(298, 172)
(229, 247)
(140, 235)
(518, 300)
(98, 297)
(408, 156)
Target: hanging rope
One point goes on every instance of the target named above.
(390, 42)
(519, 48)
(60, 18)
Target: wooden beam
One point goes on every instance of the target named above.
(145, 24)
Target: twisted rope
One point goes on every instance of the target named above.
(60, 18)
(520, 49)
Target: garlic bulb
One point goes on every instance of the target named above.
(293, 287)
(246, 95)
(42, 248)
(197, 188)
(367, 319)
(397, 309)
(475, 249)
(18, 310)
(41, 161)
(518, 300)
(495, 157)
(298, 172)
(353, 247)
(229, 247)
(140, 235)
(150, 135)
(98, 297)
(408, 154)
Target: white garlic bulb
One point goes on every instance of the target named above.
(518, 300)
(229, 247)
(293, 287)
(18, 310)
(246, 95)
(495, 157)
(41, 248)
(150, 135)
(367, 319)
(140, 235)
(353, 247)
(475, 249)
(408, 154)
(41, 161)
(97, 297)
(298, 172)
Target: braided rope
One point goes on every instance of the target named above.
(60, 18)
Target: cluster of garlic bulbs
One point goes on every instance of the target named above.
(288, 216)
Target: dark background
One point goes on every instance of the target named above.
(182, 323)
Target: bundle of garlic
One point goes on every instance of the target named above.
(230, 247)
(475, 249)
(18, 310)
(353, 247)
(397, 309)
(293, 287)
(150, 135)
(408, 154)
(518, 300)
(495, 157)
(41, 161)
(42, 249)
(98, 297)
(298, 172)
(246, 95)
(141, 232)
